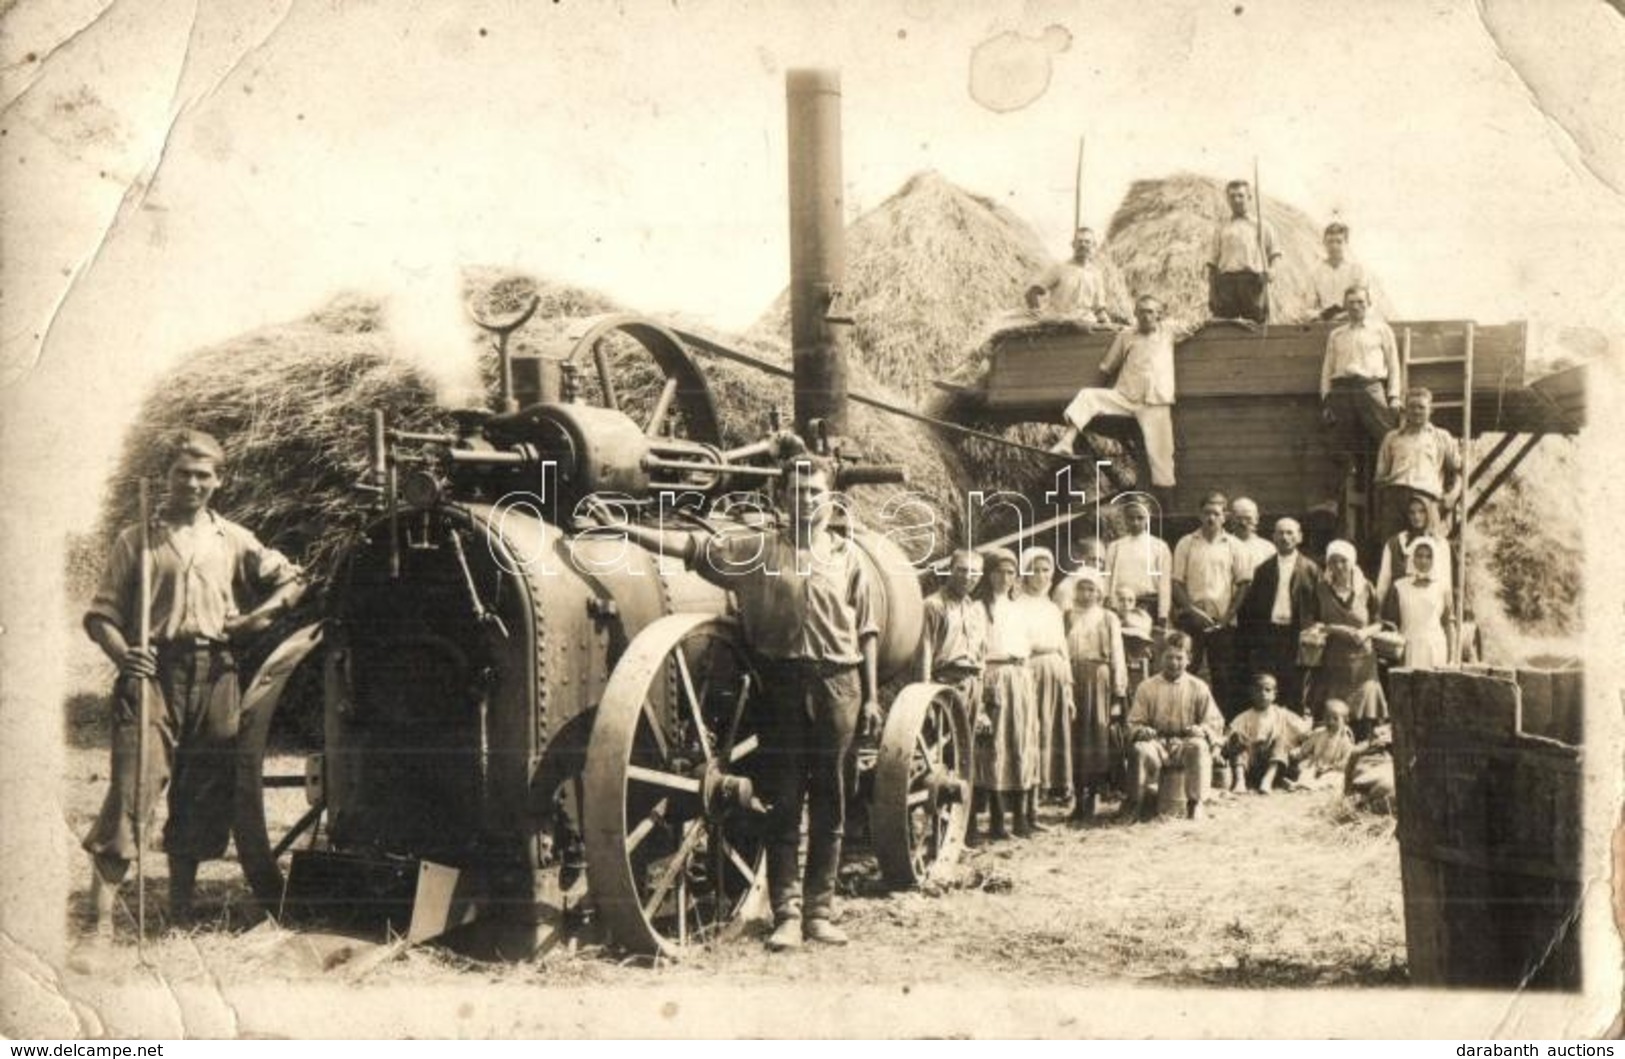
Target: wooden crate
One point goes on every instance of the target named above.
(1490, 826)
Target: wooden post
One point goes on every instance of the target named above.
(1077, 192)
(1461, 507)
(143, 640)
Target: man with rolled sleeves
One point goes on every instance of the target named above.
(1238, 266)
(205, 575)
(1210, 577)
(1417, 460)
(805, 602)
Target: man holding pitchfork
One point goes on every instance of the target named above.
(177, 593)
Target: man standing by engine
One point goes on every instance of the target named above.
(205, 573)
(804, 600)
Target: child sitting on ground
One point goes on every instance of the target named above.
(1261, 740)
(1324, 755)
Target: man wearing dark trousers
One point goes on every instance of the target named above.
(205, 575)
(1273, 612)
(1210, 575)
(805, 602)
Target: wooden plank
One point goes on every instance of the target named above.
(1035, 371)
(1568, 706)
(1535, 690)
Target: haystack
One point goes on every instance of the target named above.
(292, 404)
(928, 271)
(1157, 243)
(1161, 234)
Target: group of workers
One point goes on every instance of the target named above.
(1363, 400)
(1079, 684)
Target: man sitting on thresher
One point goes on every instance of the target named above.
(1144, 362)
(1074, 288)
(803, 598)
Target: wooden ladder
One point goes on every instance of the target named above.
(1458, 535)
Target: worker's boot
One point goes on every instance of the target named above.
(823, 865)
(784, 892)
(182, 883)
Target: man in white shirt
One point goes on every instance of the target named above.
(1211, 575)
(1276, 608)
(1359, 380)
(1239, 267)
(1141, 562)
(1244, 527)
(1144, 362)
(1074, 288)
(1417, 459)
(1334, 276)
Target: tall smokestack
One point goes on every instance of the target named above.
(817, 247)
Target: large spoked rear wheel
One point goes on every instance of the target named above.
(277, 808)
(674, 830)
(921, 786)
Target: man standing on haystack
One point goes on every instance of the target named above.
(1244, 251)
(204, 573)
(1074, 288)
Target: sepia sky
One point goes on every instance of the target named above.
(175, 173)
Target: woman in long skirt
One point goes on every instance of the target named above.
(1346, 604)
(1419, 605)
(1005, 759)
(1094, 640)
(1052, 677)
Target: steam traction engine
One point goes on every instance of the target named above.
(523, 722)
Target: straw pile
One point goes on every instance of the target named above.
(292, 403)
(1157, 243)
(928, 272)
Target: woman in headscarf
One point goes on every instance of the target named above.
(1094, 641)
(1006, 759)
(1051, 722)
(1398, 549)
(1420, 605)
(1346, 604)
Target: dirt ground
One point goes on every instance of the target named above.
(1290, 890)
